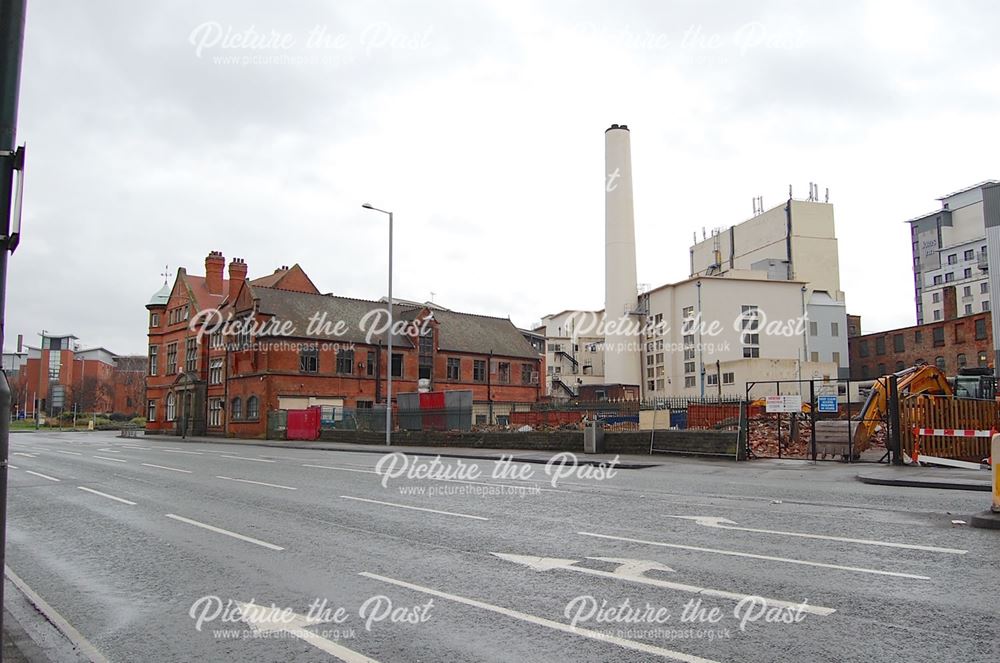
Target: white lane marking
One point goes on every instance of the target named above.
(164, 467)
(548, 623)
(415, 508)
(342, 469)
(116, 460)
(71, 453)
(112, 451)
(125, 446)
(256, 460)
(219, 530)
(178, 451)
(13, 467)
(725, 523)
(39, 474)
(769, 558)
(474, 483)
(110, 497)
(622, 573)
(259, 483)
(26, 455)
(74, 636)
(269, 621)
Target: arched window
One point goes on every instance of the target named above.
(940, 363)
(171, 406)
(962, 361)
(237, 409)
(252, 408)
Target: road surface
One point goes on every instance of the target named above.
(161, 550)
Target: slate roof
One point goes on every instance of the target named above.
(466, 332)
(457, 332)
(300, 307)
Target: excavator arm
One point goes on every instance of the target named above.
(910, 382)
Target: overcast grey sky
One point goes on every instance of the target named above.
(481, 125)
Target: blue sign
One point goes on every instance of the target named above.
(827, 404)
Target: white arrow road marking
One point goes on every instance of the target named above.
(633, 567)
(548, 564)
(219, 530)
(110, 497)
(263, 620)
(259, 483)
(70, 453)
(415, 508)
(548, 623)
(39, 474)
(769, 558)
(724, 523)
(164, 467)
(116, 460)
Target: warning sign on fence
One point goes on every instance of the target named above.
(827, 403)
(785, 403)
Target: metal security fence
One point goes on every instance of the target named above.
(816, 420)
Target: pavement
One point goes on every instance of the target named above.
(912, 476)
(156, 550)
(624, 461)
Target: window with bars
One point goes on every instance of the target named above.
(479, 370)
(191, 355)
(345, 362)
(503, 372)
(309, 359)
(425, 357)
(454, 368)
(253, 408)
(215, 412)
(171, 358)
(750, 330)
(215, 371)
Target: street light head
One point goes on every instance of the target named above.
(367, 206)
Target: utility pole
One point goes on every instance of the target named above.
(11, 43)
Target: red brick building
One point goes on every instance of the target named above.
(287, 346)
(950, 344)
(58, 376)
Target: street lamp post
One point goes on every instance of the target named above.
(388, 370)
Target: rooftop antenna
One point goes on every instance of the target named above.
(827, 194)
(166, 274)
(789, 190)
(432, 296)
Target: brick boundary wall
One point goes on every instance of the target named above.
(694, 442)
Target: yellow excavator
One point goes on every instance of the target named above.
(910, 382)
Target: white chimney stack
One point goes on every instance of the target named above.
(621, 299)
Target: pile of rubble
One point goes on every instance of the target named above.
(795, 440)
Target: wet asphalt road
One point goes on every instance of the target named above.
(150, 566)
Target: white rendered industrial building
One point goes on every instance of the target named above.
(762, 302)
